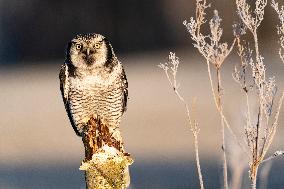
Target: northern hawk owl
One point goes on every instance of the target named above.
(93, 83)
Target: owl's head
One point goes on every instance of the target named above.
(89, 51)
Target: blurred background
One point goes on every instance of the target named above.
(38, 148)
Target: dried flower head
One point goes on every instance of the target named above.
(240, 75)
(251, 20)
(213, 51)
(172, 66)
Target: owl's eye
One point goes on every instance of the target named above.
(97, 45)
(78, 46)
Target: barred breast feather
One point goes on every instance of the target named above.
(102, 95)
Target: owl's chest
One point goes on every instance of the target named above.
(92, 86)
(94, 96)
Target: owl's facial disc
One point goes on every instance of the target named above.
(89, 51)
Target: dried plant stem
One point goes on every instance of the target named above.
(248, 109)
(273, 130)
(258, 156)
(173, 60)
(218, 103)
(215, 52)
(217, 100)
(260, 134)
(228, 126)
(255, 37)
(276, 154)
(225, 166)
(259, 152)
(280, 28)
(196, 149)
(195, 131)
(254, 179)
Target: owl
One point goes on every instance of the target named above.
(93, 83)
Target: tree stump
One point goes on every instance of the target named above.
(106, 164)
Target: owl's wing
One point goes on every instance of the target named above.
(64, 88)
(125, 90)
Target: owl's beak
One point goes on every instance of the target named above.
(88, 51)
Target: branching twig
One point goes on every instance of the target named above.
(276, 154)
(172, 67)
(259, 134)
(215, 53)
(260, 130)
(280, 12)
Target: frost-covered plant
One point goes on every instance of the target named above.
(171, 69)
(215, 52)
(251, 20)
(250, 74)
(280, 12)
(261, 130)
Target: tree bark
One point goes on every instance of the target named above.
(106, 165)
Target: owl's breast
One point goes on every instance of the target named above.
(91, 96)
(87, 94)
